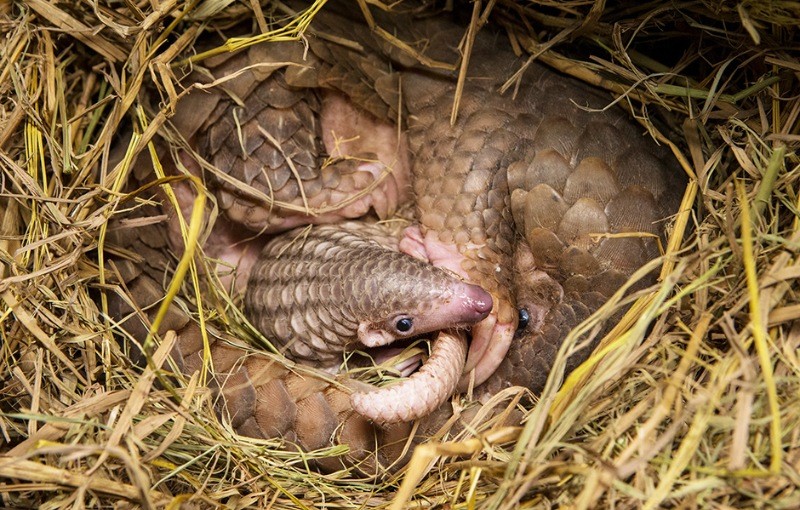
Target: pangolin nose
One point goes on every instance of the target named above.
(479, 300)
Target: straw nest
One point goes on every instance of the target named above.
(692, 401)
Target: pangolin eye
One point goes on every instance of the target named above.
(524, 319)
(404, 325)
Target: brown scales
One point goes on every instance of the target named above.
(520, 185)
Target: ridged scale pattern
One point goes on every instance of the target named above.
(311, 288)
(259, 127)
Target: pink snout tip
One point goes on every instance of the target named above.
(478, 300)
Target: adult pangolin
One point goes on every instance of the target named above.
(537, 195)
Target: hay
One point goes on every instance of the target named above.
(691, 401)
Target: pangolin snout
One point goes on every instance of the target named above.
(477, 301)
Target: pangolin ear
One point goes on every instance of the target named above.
(373, 337)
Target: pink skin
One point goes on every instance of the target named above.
(235, 248)
(490, 339)
(348, 132)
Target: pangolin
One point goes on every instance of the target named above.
(324, 291)
(527, 195)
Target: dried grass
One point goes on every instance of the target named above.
(691, 401)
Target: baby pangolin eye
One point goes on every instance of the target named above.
(524, 319)
(404, 325)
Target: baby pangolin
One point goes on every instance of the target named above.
(326, 290)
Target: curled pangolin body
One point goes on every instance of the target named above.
(521, 188)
